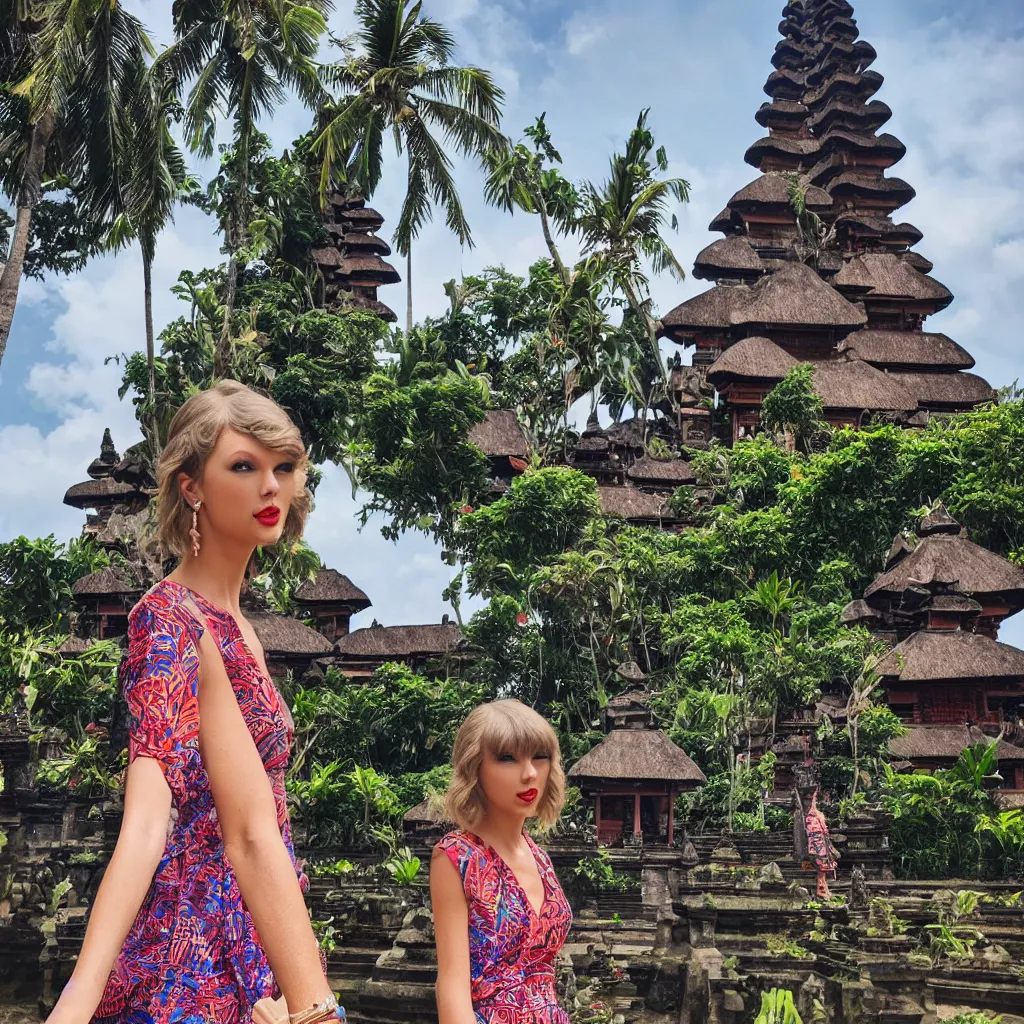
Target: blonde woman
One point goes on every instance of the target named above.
(500, 916)
(200, 912)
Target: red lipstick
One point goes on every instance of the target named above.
(527, 796)
(269, 516)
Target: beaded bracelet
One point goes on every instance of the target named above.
(327, 1010)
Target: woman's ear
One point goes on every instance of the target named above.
(188, 489)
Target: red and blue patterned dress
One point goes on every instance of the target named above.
(192, 955)
(512, 948)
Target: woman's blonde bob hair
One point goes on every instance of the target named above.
(501, 727)
(192, 437)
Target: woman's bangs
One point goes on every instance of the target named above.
(518, 735)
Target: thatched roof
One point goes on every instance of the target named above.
(756, 358)
(362, 218)
(632, 504)
(731, 256)
(860, 182)
(946, 559)
(326, 256)
(929, 742)
(637, 755)
(885, 274)
(954, 603)
(879, 227)
(938, 520)
(906, 349)
(863, 85)
(283, 635)
(858, 611)
(103, 491)
(400, 641)
(898, 550)
(632, 673)
(852, 384)
(938, 655)
(372, 306)
(709, 309)
(500, 434)
(369, 266)
(357, 241)
(774, 188)
(917, 261)
(870, 116)
(774, 144)
(961, 389)
(780, 112)
(795, 294)
(109, 581)
(331, 587)
(73, 646)
(657, 471)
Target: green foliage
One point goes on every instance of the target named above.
(404, 868)
(783, 945)
(601, 876)
(793, 404)
(777, 1008)
(946, 824)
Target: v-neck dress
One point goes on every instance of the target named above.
(512, 947)
(192, 955)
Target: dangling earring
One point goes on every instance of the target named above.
(194, 532)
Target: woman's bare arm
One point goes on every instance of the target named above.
(140, 847)
(252, 838)
(451, 934)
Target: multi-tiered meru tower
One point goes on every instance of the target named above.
(841, 287)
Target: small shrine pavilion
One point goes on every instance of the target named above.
(634, 776)
(330, 600)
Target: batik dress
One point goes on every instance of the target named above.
(512, 948)
(192, 955)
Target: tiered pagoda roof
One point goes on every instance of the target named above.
(860, 300)
(354, 263)
(938, 604)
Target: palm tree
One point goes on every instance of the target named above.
(519, 178)
(403, 81)
(621, 224)
(157, 179)
(75, 64)
(242, 55)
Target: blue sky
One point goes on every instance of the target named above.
(953, 74)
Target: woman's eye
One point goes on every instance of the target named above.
(541, 757)
(242, 465)
(286, 467)
(506, 757)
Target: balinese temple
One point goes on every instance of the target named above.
(938, 605)
(432, 647)
(634, 776)
(106, 488)
(854, 306)
(353, 267)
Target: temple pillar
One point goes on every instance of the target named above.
(636, 814)
(671, 812)
(597, 818)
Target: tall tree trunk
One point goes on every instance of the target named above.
(154, 429)
(28, 195)
(222, 354)
(408, 290)
(549, 240)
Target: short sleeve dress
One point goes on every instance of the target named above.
(512, 948)
(192, 955)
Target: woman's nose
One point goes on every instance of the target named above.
(270, 483)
